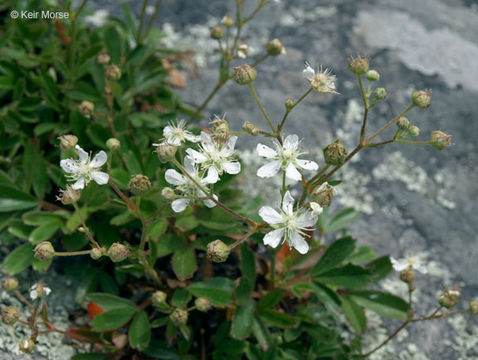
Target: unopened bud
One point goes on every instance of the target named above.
(372, 75)
(242, 50)
(380, 93)
(220, 127)
(414, 131)
(118, 252)
(179, 317)
(422, 98)
(216, 33)
(44, 251)
(120, 341)
(440, 140)
(250, 128)
(289, 103)
(359, 65)
(168, 194)
(202, 304)
(165, 151)
(67, 141)
(86, 108)
(324, 194)
(68, 196)
(159, 298)
(227, 21)
(113, 72)
(244, 74)
(103, 58)
(335, 153)
(97, 253)
(38, 290)
(10, 315)
(449, 298)
(139, 184)
(217, 251)
(26, 345)
(113, 144)
(10, 283)
(474, 307)
(407, 275)
(403, 123)
(275, 47)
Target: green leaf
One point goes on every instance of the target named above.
(113, 319)
(113, 44)
(242, 321)
(157, 228)
(12, 199)
(354, 314)
(90, 356)
(380, 268)
(41, 266)
(184, 263)
(186, 223)
(261, 333)
(248, 266)
(361, 254)
(337, 252)
(342, 219)
(384, 304)
(165, 245)
(44, 232)
(218, 290)
(327, 296)
(40, 217)
(271, 299)
(181, 298)
(276, 318)
(19, 259)
(350, 276)
(109, 302)
(243, 292)
(139, 333)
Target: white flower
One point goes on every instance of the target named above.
(84, 170)
(286, 157)
(289, 225)
(216, 158)
(98, 18)
(321, 81)
(316, 209)
(187, 187)
(410, 262)
(39, 292)
(242, 51)
(176, 134)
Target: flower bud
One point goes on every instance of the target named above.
(372, 75)
(68, 196)
(10, 283)
(220, 127)
(179, 316)
(165, 152)
(103, 58)
(414, 131)
(422, 98)
(120, 341)
(44, 251)
(202, 304)
(250, 128)
(449, 298)
(39, 291)
(168, 194)
(359, 65)
(407, 275)
(242, 50)
(275, 47)
(118, 252)
(440, 140)
(86, 108)
(26, 345)
(217, 251)
(380, 93)
(67, 141)
(113, 72)
(216, 33)
(244, 74)
(97, 253)
(474, 307)
(324, 194)
(159, 298)
(227, 21)
(113, 144)
(289, 103)
(10, 315)
(403, 123)
(335, 153)
(139, 184)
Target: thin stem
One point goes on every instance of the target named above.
(244, 238)
(141, 21)
(413, 142)
(87, 230)
(197, 114)
(279, 128)
(400, 328)
(24, 300)
(126, 199)
(151, 20)
(73, 253)
(380, 143)
(258, 61)
(330, 173)
(391, 122)
(258, 101)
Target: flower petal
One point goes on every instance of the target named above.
(79, 184)
(307, 164)
(197, 157)
(269, 215)
(228, 149)
(307, 220)
(308, 73)
(207, 142)
(180, 205)
(232, 167)
(212, 175)
(82, 154)
(189, 165)
(99, 159)
(299, 243)
(273, 237)
(399, 265)
(100, 177)
(292, 173)
(210, 203)
(288, 203)
(191, 137)
(174, 178)
(69, 166)
(265, 151)
(269, 169)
